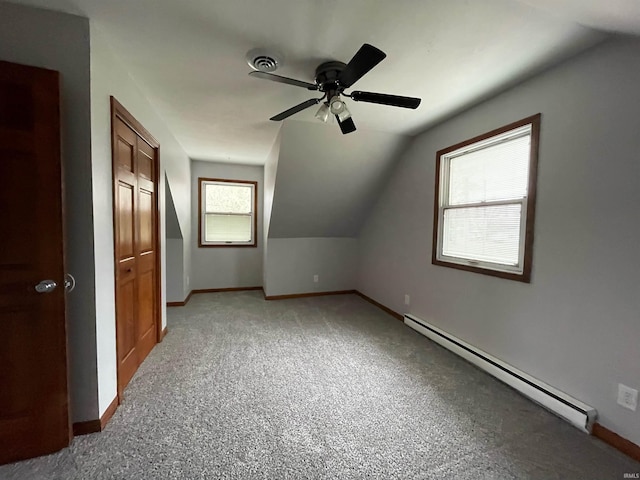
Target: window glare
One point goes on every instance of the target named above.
(222, 198)
(498, 172)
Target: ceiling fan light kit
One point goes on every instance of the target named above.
(339, 108)
(332, 79)
(336, 105)
(323, 113)
(344, 115)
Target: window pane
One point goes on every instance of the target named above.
(227, 228)
(499, 172)
(228, 198)
(488, 234)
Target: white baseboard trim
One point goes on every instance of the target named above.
(574, 411)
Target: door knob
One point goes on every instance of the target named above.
(46, 286)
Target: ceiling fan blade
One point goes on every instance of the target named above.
(296, 109)
(364, 60)
(383, 99)
(279, 79)
(346, 126)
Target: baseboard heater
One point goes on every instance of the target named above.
(574, 411)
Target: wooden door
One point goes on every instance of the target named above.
(135, 168)
(34, 411)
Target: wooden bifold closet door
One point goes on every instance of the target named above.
(135, 168)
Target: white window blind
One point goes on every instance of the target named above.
(498, 172)
(227, 228)
(483, 199)
(489, 234)
(227, 212)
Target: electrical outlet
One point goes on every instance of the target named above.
(315, 279)
(407, 299)
(187, 280)
(627, 397)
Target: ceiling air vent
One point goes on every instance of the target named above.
(263, 60)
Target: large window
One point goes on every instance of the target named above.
(485, 202)
(228, 213)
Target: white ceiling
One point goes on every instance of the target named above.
(189, 56)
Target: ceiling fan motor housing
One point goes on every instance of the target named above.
(264, 60)
(327, 77)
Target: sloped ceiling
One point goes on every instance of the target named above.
(618, 16)
(172, 223)
(326, 182)
(188, 56)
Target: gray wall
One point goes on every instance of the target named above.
(173, 229)
(327, 181)
(576, 326)
(61, 42)
(175, 268)
(324, 185)
(226, 267)
(270, 172)
(109, 77)
(292, 263)
(174, 252)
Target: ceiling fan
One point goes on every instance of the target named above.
(332, 78)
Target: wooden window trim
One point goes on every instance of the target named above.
(525, 276)
(254, 244)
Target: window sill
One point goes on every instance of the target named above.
(524, 277)
(228, 245)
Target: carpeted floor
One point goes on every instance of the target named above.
(318, 388)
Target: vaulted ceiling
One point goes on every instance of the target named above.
(189, 56)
